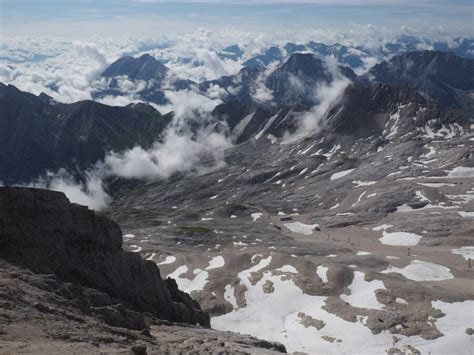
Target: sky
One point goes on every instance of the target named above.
(76, 18)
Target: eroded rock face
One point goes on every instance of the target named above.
(42, 231)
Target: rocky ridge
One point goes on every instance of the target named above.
(38, 134)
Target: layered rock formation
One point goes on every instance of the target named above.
(42, 231)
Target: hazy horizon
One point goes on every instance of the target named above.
(151, 18)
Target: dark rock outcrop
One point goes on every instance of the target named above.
(42, 231)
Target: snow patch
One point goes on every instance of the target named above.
(363, 292)
(400, 238)
(216, 262)
(170, 259)
(419, 270)
(466, 252)
(301, 228)
(322, 272)
(187, 285)
(341, 174)
(287, 268)
(461, 172)
(359, 183)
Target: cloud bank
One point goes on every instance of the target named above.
(89, 193)
(326, 95)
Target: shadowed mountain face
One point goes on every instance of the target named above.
(439, 76)
(296, 81)
(37, 136)
(291, 88)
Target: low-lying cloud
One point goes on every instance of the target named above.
(326, 95)
(178, 153)
(90, 193)
(179, 150)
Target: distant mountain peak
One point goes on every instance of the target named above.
(306, 63)
(144, 67)
(435, 74)
(272, 54)
(233, 52)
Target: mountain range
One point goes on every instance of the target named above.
(353, 235)
(38, 134)
(75, 136)
(339, 219)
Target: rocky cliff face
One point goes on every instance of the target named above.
(42, 231)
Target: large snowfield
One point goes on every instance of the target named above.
(277, 315)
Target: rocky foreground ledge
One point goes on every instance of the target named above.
(67, 285)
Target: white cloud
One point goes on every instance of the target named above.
(326, 94)
(90, 193)
(180, 149)
(260, 93)
(177, 153)
(90, 50)
(67, 71)
(189, 60)
(187, 102)
(216, 92)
